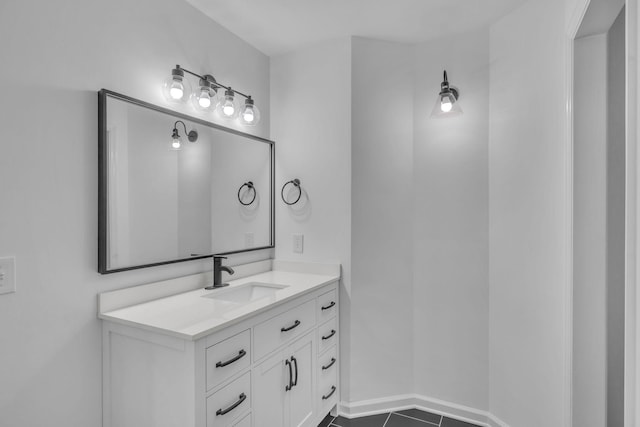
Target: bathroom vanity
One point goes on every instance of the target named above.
(261, 352)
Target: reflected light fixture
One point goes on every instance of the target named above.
(176, 139)
(210, 96)
(447, 102)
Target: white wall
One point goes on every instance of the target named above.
(56, 55)
(450, 224)
(528, 217)
(590, 232)
(311, 101)
(382, 208)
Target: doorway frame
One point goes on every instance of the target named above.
(632, 208)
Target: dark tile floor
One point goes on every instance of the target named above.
(407, 418)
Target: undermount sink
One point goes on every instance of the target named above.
(245, 293)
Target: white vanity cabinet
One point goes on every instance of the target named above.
(285, 386)
(275, 368)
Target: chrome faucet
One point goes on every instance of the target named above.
(218, 268)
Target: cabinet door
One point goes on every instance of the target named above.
(300, 400)
(270, 379)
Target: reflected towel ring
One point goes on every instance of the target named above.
(296, 183)
(250, 187)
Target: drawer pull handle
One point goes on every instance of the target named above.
(333, 332)
(240, 355)
(329, 306)
(333, 390)
(333, 360)
(290, 385)
(295, 382)
(241, 399)
(295, 325)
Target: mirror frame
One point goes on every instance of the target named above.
(103, 157)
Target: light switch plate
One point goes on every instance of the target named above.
(298, 243)
(7, 275)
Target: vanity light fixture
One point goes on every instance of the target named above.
(176, 139)
(209, 96)
(249, 113)
(204, 98)
(447, 102)
(227, 107)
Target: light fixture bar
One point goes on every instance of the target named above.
(214, 82)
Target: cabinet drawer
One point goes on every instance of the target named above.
(227, 358)
(327, 306)
(280, 329)
(328, 335)
(228, 403)
(327, 379)
(328, 367)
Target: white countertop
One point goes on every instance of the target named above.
(191, 316)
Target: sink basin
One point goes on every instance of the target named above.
(245, 293)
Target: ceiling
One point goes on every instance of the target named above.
(279, 26)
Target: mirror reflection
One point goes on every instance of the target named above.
(174, 187)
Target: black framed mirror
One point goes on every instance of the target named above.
(175, 188)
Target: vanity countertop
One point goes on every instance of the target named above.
(192, 315)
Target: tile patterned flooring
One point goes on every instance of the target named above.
(407, 418)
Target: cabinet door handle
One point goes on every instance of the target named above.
(333, 360)
(329, 306)
(295, 382)
(241, 399)
(333, 390)
(240, 355)
(290, 385)
(295, 325)
(333, 332)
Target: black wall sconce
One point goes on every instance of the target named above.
(210, 96)
(447, 102)
(176, 139)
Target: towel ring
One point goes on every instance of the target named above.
(250, 187)
(296, 183)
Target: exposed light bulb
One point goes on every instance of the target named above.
(228, 108)
(177, 89)
(204, 100)
(446, 105)
(248, 115)
(175, 144)
(227, 105)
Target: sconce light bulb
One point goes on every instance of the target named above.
(175, 144)
(446, 105)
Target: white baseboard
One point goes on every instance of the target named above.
(415, 401)
(496, 422)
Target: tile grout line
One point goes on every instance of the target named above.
(417, 419)
(441, 419)
(387, 420)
